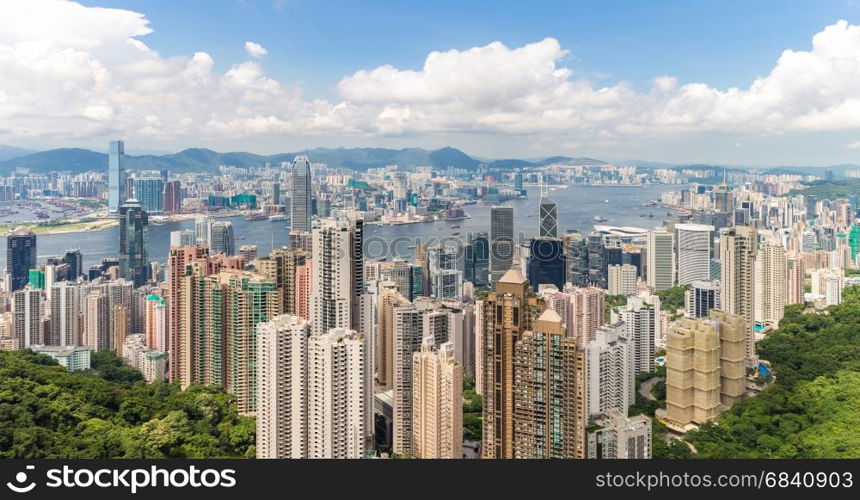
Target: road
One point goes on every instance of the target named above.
(645, 387)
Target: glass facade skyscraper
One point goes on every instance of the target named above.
(20, 256)
(300, 196)
(149, 190)
(133, 242)
(117, 193)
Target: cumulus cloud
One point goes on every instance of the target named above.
(255, 50)
(61, 83)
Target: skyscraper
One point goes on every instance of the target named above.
(509, 311)
(548, 218)
(65, 299)
(96, 321)
(75, 261)
(622, 279)
(501, 240)
(408, 335)
(642, 321)
(337, 275)
(795, 277)
(770, 283)
(20, 256)
(149, 190)
(661, 260)
(694, 252)
(221, 238)
(609, 370)
(738, 248)
(701, 298)
(28, 306)
(549, 415)
(117, 185)
(477, 266)
(389, 299)
(614, 436)
(338, 399)
(546, 263)
(133, 243)
(300, 196)
(437, 402)
(282, 399)
(576, 258)
(172, 197)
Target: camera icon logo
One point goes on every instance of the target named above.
(19, 485)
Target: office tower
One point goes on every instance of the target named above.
(20, 256)
(477, 260)
(770, 283)
(549, 390)
(408, 335)
(795, 276)
(117, 183)
(155, 323)
(149, 191)
(548, 218)
(546, 262)
(576, 258)
(65, 302)
(609, 370)
(172, 197)
(28, 309)
(509, 311)
(282, 399)
(96, 321)
(661, 260)
(300, 196)
(738, 248)
(446, 276)
(596, 258)
(437, 402)
(694, 252)
(282, 265)
(119, 319)
(202, 229)
(338, 398)
(587, 307)
(337, 275)
(501, 241)
(518, 181)
(615, 436)
(642, 321)
(248, 252)
(408, 278)
(75, 261)
(183, 238)
(133, 243)
(178, 308)
(705, 366)
(622, 279)
(222, 239)
(36, 278)
(701, 298)
(249, 299)
(389, 299)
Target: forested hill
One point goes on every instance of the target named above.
(46, 412)
(811, 411)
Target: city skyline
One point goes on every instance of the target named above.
(577, 97)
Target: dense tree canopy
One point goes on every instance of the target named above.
(811, 410)
(46, 412)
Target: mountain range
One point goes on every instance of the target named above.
(206, 160)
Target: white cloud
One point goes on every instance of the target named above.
(60, 84)
(255, 50)
(853, 145)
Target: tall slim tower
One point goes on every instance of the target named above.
(20, 256)
(437, 402)
(548, 217)
(738, 248)
(508, 312)
(501, 240)
(300, 196)
(337, 278)
(133, 242)
(221, 238)
(117, 191)
(282, 399)
(770, 282)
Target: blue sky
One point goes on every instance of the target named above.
(723, 43)
(656, 80)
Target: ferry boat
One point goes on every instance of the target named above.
(275, 218)
(600, 218)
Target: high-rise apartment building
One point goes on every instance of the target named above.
(622, 279)
(282, 388)
(389, 299)
(701, 298)
(616, 436)
(509, 311)
(338, 278)
(794, 279)
(96, 321)
(609, 370)
(65, 299)
(643, 323)
(705, 367)
(28, 329)
(770, 283)
(281, 266)
(738, 248)
(549, 390)
(172, 197)
(437, 402)
(338, 398)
